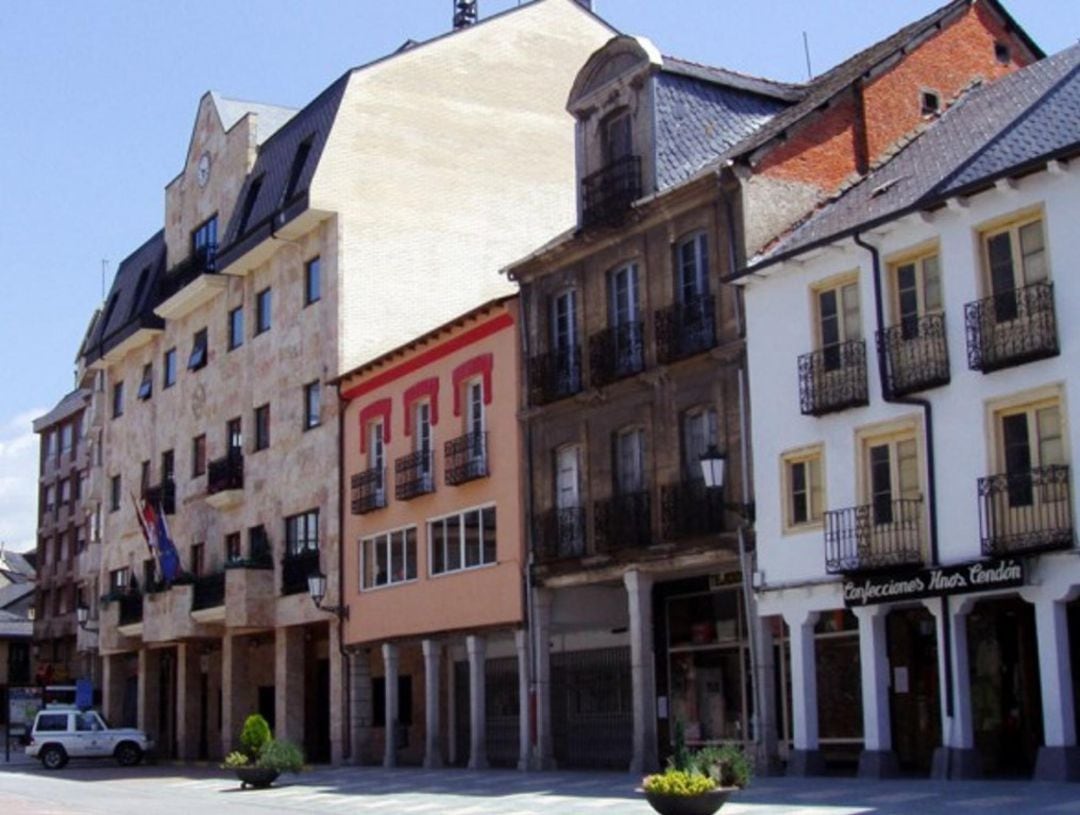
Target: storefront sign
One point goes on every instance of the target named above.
(964, 578)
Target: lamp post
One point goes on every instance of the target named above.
(82, 616)
(316, 584)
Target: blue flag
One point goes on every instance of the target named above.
(169, 557)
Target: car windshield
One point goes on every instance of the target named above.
(104, 723)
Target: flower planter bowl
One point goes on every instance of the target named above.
(705, 804)
(256, 777)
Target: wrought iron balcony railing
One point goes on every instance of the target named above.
(131, 608)
(1011, 328)
(368, 490)
(884, 534)
(685, 329)
(209, 591)
(616, 352)
(560, 533)
(1024, 512)
(295, 570)
(623, 521)
(226, 473)
(688, 509)
(197, 263)
(606, 195)
(554, 375)
(466, 458)
(833, 378)
(414, 475)
(916, 354)
(162, 495)
(259, 556)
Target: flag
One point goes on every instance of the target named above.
(146, 525)
(168, 557)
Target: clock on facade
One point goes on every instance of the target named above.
(203, 170)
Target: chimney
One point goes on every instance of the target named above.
(465, 13)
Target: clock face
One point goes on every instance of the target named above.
(204, 169)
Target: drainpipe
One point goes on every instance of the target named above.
(346, 742)
(531, 631)
(928, 413)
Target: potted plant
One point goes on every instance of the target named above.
(262, 758)
(697, 782)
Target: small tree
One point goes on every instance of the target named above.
(254, 736)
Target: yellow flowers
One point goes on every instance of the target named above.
(679, 782)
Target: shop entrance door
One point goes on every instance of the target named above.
(1006, 704)
(915, 702)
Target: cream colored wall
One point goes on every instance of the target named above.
(470, 599)
(456, 158)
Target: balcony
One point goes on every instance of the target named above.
(368, 490)
(882, 535)
(623, 521)
(554, 375)
(295, 569)
(1011, 328)
(258, 556)
(162, 495)
(209, 591)
(685, 329)
(414, 475)
(466, 458)
(606, 195)
(560, 533)
(1026, 512)
(225, 481)
(833, 378)
(916, 354)
(689, 510)
(190, 283)
(616, 353)
(131, 608)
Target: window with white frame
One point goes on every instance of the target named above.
(838, 319)
(464, 540)
(376, 452)
(804, 492)
(302, 533)
(388, 558)
(422, 439)
(475, 420)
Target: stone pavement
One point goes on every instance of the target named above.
(165, 789)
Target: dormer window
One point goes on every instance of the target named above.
(618, 142)
(204, 242)
(608, 191)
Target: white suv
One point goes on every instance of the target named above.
(58, 735)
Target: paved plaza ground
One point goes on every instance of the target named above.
(85, 787)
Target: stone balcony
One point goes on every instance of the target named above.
(167, 616)
(86, 639)
(250, 596)
(112, 637)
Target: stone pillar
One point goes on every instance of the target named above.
(238, 699)
(521, 644)
(644, 758)
(390, 674)
(432, 732)
(877, 759)
(1059, 758)
(149, 698)
(289, 683)
(767, 762)
(477, 649)
(360, 707)
(339, 714)
(805, 756)
(957, 757)
(544, 751)
(188, 701)
(113, 683)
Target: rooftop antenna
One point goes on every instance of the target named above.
(806, 50)
(465, 13)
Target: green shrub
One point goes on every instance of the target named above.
(679, 782)
(283, 756)
(236, 759)
(255, 736)
(727, 765)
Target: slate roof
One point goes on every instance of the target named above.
(824, 87)
(702, 112)
(1023, 118)
(271, 117)
(12, 594)
(131, 300)
(68, 404)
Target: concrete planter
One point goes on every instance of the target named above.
(705, 804)
(256, 777)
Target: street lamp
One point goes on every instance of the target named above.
(82, 615)
(316, 586)
(712, 467)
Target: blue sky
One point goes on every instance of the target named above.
(100, 97)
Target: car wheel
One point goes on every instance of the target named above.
(53, 757)
(128, 754)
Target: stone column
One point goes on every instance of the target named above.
(768, 759)
(289, 683)
(805, 756)
(188, 701)
(476, 647)
(432, 732)
(360, 707)
(521, 644)
(237, 694)
(957, 757)
(113, 683)
(644, 758)
(390, 677)
(339, 714)
(877, 759)
(149, 698)
(1059, 758)
(544, 752)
